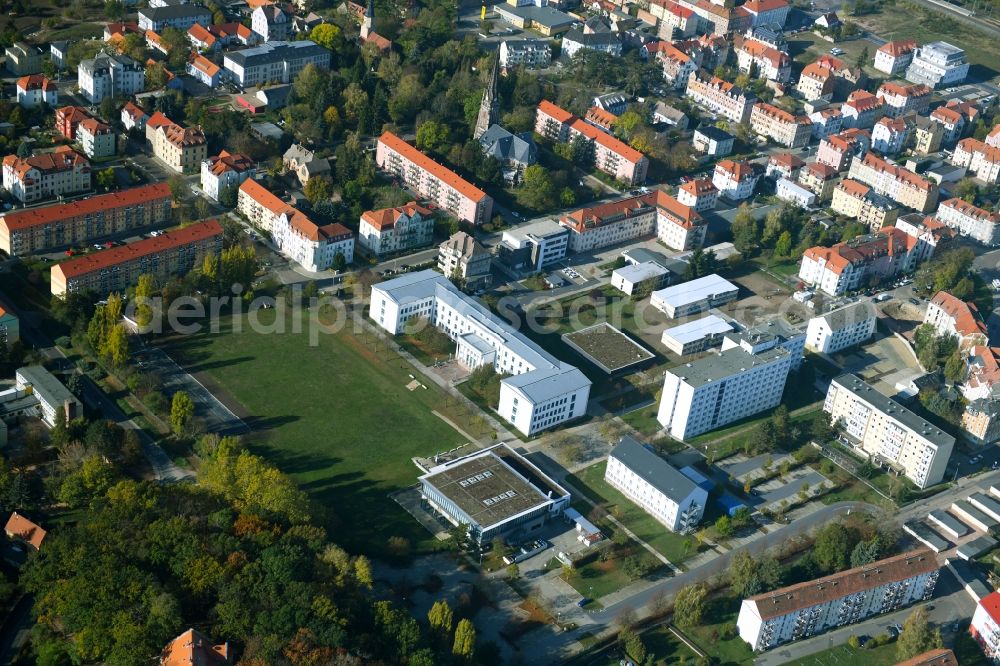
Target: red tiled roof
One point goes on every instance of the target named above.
(33, 217)
(442, 173)
(183, 137)
(120, 255)
(200, 33)
(853, 188)
(157, 120)
(19, 527)
(192, 648)
(947, 115)
(738, 170)
(315, 233)
(761, 51)
(599, 116)
(624, 150)
(686, 216)
(61, 159)
(94, 126)
(558, 114)
(35, 82)
(971, 145)
(134, 111)
(781, 115)
(966, 208)
(938, 657)
(898, 47)
(966, 315)
(71, 114)
(203, 64)
(386, 218)
(786, 160)
(820, 170)
(898, 173)
(862, 100)
(911, 90)
(991, 604)
(264, 197)
(379, 41)
(698, 187)
(822, 590)
(758, 6)
(226, 161)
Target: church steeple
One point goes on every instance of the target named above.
(489, 110)
(369, 19)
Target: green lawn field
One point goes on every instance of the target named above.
(337, 417)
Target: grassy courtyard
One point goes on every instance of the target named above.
(674, 547)
(337, 416)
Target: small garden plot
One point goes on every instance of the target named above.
(608, 348)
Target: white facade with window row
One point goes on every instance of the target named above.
(879, 427)
(841, 328)
(541, 391)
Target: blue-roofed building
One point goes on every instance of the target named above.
(730, 503)
(698, 478)
(541, 391)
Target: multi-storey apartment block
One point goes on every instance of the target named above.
(273, 61)
(110, 76)
(890, 135)
(979, 158)
(68, 119)
(838, 150)
(313, 246)
(183, 149)
(63, 171)
(899, 184)
(927, 136)
(789, 190)
(114, 270)
(900, 100)
(721, 97)
(938, 65)
(205, 70)
(180, 16)
(715, 390)
(392, 230)
(679, 227)
(954, 317)
(826, 122)
(841, 328)
(699, 194)
(876, 425)
(857, 200)
(777, 124)
(978, 224)
(433, 181)
(820, 179)
(677, 65)
(847, 266)
(95, 138)
(610, 155)
(799, 611)
(672, 499)
(952, 121)
(225, 171)
(783, 165)
(736, 180)
(466, 257)
(862, 109)
(35, 90)
(816, 82)
(270, 23)
(23, 58)
(540, 392)
(37, 230)
(259, 206)
(894, 57)
(985, 627)
(767, 62)
(528, 53)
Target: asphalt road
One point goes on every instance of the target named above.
(215, 416)
(15, 628)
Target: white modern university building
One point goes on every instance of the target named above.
(695, 296)
(806, 609)
(494, 492)
(696, 336)
(884, 430)
(739, 381)
(541, 391)
(660, 490)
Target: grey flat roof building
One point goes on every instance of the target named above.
(273, 52)
(925, 535)
(654, 469)
(495, 491)
(949, 523)
(724, 364)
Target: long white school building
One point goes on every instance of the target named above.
(541, 392)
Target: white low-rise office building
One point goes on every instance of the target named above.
(273, 61)
(528, 53)
(806, 609)
(639, 279)
(532, 247)
(790, 191)
(672, 499)
(722, 388)
(881, 428)
(696, 336)
(50, 393)
(841, 328)
(695, 296)
(540, 392)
